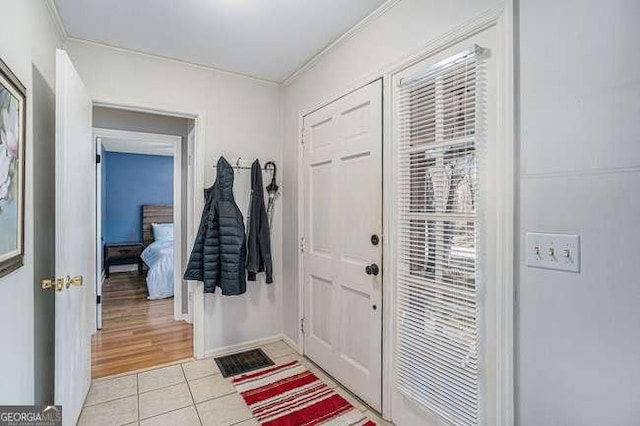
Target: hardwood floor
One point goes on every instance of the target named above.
(136, 333)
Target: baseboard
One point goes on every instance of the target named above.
(250, 344)
(289, 341)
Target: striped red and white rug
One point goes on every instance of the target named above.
(291, 395)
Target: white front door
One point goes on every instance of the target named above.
(75, 239)
(342, 240)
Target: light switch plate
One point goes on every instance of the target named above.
(553, 251)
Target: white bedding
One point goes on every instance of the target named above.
(159, 258)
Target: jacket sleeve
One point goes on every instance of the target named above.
(195, 267)
(253, 250)
(211, 252)
(265, 244)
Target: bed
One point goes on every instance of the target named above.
(158, 250)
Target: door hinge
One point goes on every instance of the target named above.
(301, 244)
(98, 158)
(98, 299)
(302, 136)
(302, 325)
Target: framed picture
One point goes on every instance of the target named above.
(12, 141)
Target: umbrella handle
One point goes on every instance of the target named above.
(272, 187)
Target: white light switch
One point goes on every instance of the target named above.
(553, 251)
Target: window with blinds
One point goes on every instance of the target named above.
(438, 147)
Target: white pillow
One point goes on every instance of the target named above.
(162, 231)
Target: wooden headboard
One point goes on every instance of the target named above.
(154, 213)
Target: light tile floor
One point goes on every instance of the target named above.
(188, 394)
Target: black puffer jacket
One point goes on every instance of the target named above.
(219, 252)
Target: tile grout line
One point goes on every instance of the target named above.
(138, 396)
(216, 397)
(157, 389)
(166, 412)
(195, 407)
(108, 401)
(164, 386)
(178, 408)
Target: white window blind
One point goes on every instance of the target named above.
(438, 148)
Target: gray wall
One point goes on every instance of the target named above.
(118, 119)
(579, 334)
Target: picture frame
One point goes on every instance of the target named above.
(13, 105)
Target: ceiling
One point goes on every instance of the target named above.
(130, 146)
(267, 39)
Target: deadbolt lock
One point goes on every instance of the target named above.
(56, 284)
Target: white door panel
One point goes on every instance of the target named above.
(75, 239)
(342, 210)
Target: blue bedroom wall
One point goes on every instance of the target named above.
(131, 181)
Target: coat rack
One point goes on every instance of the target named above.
(240, 164)
(272, 188)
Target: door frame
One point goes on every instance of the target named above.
(502, 17)
(178, 207)
(195, 188)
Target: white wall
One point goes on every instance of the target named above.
(401, 31)
(384, 44)
(579, 334)
(243, 118)
(27, 40)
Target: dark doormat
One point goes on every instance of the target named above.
(242, 362)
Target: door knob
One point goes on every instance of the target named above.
(59, 284)
(56, 284)
(372, 269)
(77, 280)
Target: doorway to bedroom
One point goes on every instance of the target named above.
(143, 312)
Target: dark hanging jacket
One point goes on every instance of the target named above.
(219, 252)
(259, 240)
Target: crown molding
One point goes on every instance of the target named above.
(56, 19)
(174, 60)
(365, 22)
(362, 24)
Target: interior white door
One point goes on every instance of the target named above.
(75, 239)
(342, 221)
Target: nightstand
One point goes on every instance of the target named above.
(122, 254)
